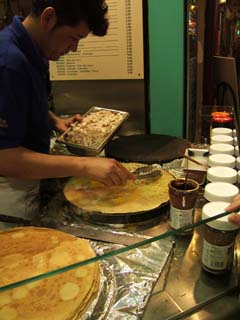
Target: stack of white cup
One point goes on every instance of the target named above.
(236, 153)
(222, 175)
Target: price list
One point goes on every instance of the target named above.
(117, 55)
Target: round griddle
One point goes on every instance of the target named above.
(147, 148)
(130, 218)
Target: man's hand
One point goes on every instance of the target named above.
(234, 206)
(62, 124)
(108, 171)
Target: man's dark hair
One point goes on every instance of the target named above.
(71, 12)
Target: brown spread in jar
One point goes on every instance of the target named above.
(218, 239)
(183, 195)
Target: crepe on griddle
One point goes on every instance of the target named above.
(134, 196)
(29, 251)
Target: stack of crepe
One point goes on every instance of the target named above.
(29, 251)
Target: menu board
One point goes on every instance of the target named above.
(117, 55)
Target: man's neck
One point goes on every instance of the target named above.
(32, 26)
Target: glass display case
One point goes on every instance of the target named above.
(73, 263)
(143, 265)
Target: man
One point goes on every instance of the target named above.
(53, 29)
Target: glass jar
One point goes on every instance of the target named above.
(183, 195)
(222, 119)
(218, 240)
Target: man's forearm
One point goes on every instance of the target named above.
(23, 163)
(26, 164)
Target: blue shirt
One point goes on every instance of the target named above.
(24, 117)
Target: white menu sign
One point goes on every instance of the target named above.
(118, 55)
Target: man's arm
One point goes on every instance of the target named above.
(26, 164)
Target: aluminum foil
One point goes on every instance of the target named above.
(127, 280)
(175, 168)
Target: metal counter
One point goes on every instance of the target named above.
(186, 291)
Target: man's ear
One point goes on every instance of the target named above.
(48, 19)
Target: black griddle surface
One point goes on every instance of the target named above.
(152, 148)
(125, 218)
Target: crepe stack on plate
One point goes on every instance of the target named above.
(27, 252)
(134, 196)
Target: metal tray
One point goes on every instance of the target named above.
(193, 170)
(199, 155)
(91, 151)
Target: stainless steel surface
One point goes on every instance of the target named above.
(188, 291)
(87, 150)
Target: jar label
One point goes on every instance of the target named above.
(216, 257)
(181, 218)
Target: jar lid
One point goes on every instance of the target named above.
(220, 114)
(221, 148)
(226, 119)
(222, 119)
(214, 208)
(220, 191)
(221, 138)
(220, 159)
(222, 174)
(222, 131)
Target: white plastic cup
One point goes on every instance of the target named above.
(222, 139)
(222, 131)
(221, 148)
(222, 160)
